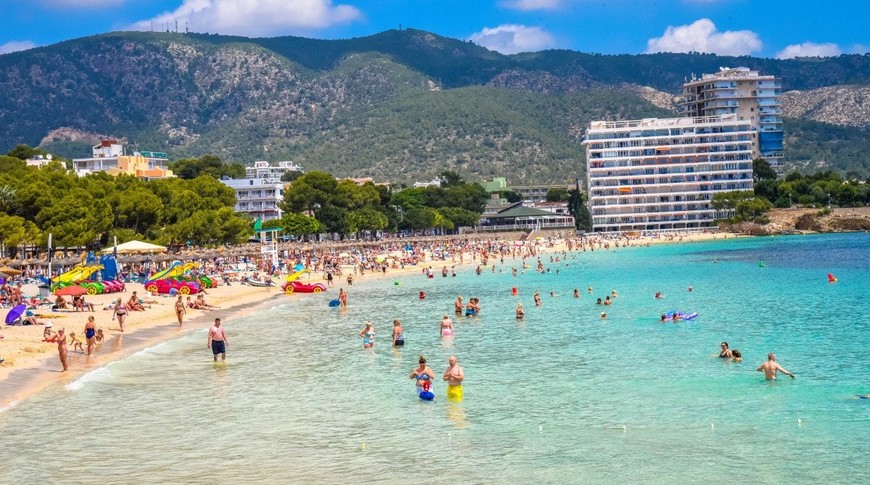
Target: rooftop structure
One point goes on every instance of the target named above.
(436, 182)
(534, 192)
(38, 161)
(748, 95)
(271, 173)
(661, 174)
(109, 157)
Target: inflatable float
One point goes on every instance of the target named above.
(680, 315)
(426, 394)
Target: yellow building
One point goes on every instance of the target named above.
(109, 157)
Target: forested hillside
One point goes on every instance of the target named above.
(399, 105)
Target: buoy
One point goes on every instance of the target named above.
(514, 291)
(422, 295)
(396, 282)
(832, 278)
(761, 264)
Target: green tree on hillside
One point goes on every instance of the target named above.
(191, 168)
(24, 152)
(557, 194)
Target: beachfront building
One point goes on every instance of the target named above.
(746, 94)
(257, 198)
(661, 174)
(269, 173)
(109, 157)
(517, 217)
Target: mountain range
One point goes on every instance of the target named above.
(401, 105)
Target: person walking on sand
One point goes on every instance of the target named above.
(217, 340)
(454, 375)
(91, 334)
(180, 310)
(770, 368)
(120, 312)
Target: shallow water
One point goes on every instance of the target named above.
(561, 397)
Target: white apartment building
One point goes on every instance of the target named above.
(270, 173)
(661, 174)
(257, 197)
(747, 94)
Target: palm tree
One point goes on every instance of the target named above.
(8, 204)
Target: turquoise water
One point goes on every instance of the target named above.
(561, 397)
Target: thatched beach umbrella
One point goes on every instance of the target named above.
(10, 271)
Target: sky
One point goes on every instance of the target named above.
(762, 28)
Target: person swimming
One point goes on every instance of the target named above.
(520, 312)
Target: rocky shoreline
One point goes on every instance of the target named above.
(806, 221)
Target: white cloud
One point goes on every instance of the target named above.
(511, 39)
(16, 45)
(254, 17)
(809, 49)
(528, 5)
(702, 36)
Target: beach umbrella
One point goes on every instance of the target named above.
(10, 271)
(71, 291)
(15, 313)
(135, 247)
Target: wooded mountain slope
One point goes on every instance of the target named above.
(399, 105)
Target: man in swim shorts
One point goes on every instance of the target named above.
(454, 377)
(217, 340)
(770, 368)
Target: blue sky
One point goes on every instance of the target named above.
(766, 28)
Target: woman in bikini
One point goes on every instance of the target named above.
(422, 374)
(120, 312)
(180, 310)
(446, 326)
(398, 334)
(368, 336)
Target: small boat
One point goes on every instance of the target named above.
(261, 284)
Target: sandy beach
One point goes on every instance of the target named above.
(32, 365)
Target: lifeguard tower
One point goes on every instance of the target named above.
(268, 241)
